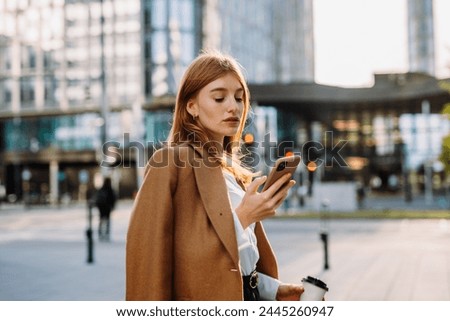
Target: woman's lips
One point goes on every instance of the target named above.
(232, 120)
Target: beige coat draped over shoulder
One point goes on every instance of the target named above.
(181, 242)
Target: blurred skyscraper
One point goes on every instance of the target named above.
(51, 78)
(421, 36)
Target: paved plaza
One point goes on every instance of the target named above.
(43, 253)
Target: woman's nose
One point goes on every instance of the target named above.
(233, 106)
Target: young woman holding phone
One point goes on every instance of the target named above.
(195, 231)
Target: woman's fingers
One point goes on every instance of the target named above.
(289, 292)
(272, 190)
(257, 182)
(281, 195)
(257, 206)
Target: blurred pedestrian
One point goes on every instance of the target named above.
(195, 231)
(105, 200)
(360, 194)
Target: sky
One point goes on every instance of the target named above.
(356, 38)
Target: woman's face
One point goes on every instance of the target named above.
(219, 106)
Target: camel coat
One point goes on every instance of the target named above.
(181, 242)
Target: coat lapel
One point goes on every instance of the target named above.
(214, 194)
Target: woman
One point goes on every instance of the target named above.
(195, 231)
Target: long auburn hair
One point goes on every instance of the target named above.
(207, 67)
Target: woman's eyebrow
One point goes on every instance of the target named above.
(218, 89)
(240, 89)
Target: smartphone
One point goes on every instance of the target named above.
(282, 166)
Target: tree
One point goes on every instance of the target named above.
(445, 154)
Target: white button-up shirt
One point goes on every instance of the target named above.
(246, 240)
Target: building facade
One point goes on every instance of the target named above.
(388, 138)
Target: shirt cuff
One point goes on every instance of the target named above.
(240, 231)
(268, 287)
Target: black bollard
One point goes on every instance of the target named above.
(324, 231)
(89, 235)
(324, 238)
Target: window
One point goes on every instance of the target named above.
(28, 57)
(27, 91)
(50, 89)
(157, 125)
(5, 93)
(5, 55)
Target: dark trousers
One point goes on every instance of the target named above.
(104, 225)
(251, 294)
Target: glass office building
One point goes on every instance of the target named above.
(53, 55)
(273, 40)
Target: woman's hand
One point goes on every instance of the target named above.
(289, 292)
(257, 206)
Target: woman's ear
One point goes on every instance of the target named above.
(192, 108)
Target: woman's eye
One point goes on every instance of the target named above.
(239, 99)
(218, 100)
